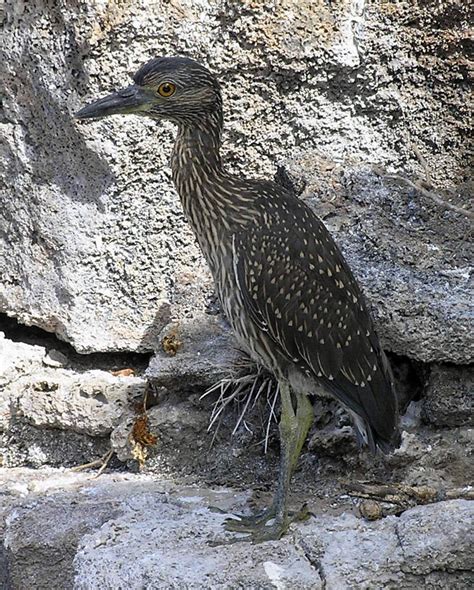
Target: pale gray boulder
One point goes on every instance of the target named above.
(66, 530)
(194, 355)
(91, 402)
(93, 242)
(55, 415)
(426, 547)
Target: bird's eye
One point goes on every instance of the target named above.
(166, 89)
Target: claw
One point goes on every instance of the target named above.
(273, 532)
(249, 523)
(273, 523)
(257, 534)
(257, 528)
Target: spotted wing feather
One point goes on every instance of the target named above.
(297, 287)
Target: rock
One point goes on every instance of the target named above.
(143, 532)
(56, 359)
(427, 546)
(437, 538)
(176, 425)
(448, 399)
(35, 399)
(91, 403)
(46, 562)
(16, 360)
(137, 531)
(207, 352)
(66, 417)
(94, 205)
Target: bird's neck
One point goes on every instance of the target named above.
(196, 153)
(206, 191)
(198, 174)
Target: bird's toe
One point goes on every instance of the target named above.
(240, 523)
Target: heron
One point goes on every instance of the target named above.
(284, 285)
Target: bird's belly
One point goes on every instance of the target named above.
(257, 343)
(302, 383)
(252, 339)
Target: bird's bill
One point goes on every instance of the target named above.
(130, 100)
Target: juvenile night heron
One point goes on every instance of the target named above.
(284, 285)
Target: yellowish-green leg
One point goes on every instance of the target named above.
(294, 426)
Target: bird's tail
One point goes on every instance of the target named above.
(367, 436)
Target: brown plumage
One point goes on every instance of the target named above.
(284, 285)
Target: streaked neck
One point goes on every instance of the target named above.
(196, 153)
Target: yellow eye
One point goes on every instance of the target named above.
(166, 89)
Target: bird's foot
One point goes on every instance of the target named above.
(258, 533)
(268, 531)
(264, 526)
(246, 524)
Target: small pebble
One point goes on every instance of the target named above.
(370, 510)
(55, 359)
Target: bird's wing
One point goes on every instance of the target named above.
(297, 287)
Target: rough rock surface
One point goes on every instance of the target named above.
(87, 404)
(93, 243)
(65, 530)
(449, 397)
(36, 398)
(195, 354)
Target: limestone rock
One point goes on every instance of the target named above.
(65, 530)
(94, 245)
(194, 356)
(179, 426)
(184, 558)
(449, 395)
(16, 360)
(35, 399)
(45, 562)
(91, 403)
(437, 538)
(425, 547)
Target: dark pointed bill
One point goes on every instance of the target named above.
(126, 101)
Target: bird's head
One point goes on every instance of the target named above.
(175, 88)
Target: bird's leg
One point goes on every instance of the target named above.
(294, 426)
